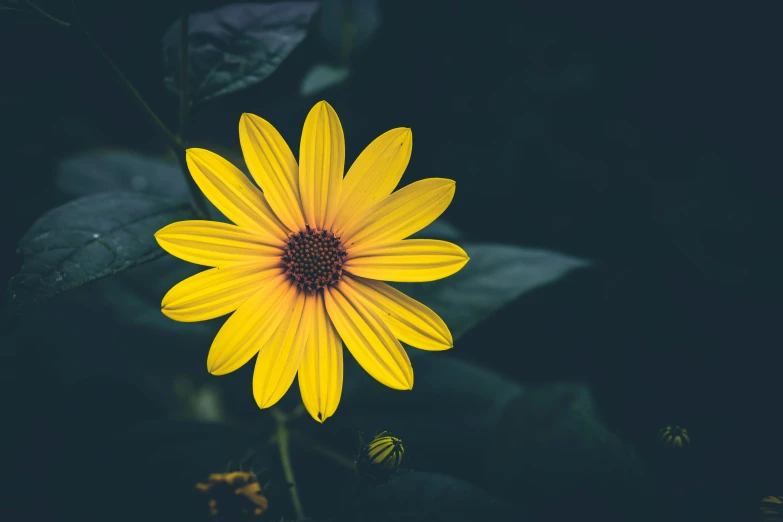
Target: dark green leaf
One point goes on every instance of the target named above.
(550, 446)
(235, 46)
(495, 275)
(89, 238)
(134, 298)
(529, 445)
(120, 170)
(428, 497)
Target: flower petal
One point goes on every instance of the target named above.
(278, 360)
(252, 325)
(374, 175)
(273, 166)
(410, 260)
(212, 243)
(321, 369)
(406, 211)
(368, 338)
(410, 321)
(321, 165)
(215, 292)
(234, 195)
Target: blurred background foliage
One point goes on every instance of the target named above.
(616, 180)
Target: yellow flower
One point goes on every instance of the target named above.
(236, 495)
(302, 264)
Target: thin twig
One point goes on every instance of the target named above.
(171, 140)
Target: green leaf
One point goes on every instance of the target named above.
(475, 425)
(120, 170)
(494, 276)
(235, 46)
(134, 298)
(89, 238)
(108, 170)
(428, 497)
(550, 445)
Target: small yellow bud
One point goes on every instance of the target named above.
(381, 458)
(674, 436)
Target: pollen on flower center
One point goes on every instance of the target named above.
(314, 258)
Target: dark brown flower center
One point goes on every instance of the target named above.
(314, 258)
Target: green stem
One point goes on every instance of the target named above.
(184, 58)
(282, 439)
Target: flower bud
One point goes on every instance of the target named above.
(674, 436)
(380, 458)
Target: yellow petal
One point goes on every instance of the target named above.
(410, 260)
(215, 292)
(278, 360)
(321, 369)
(212, 243)
(252, 325)
(321, 164)
(374, 175)
(234, 195)
(410, 321)
(406, 211)
(368, 338)
(273, 166)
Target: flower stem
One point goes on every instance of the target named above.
(282, 439)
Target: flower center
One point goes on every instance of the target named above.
(314, 258)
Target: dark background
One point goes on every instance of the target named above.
(642, 137)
